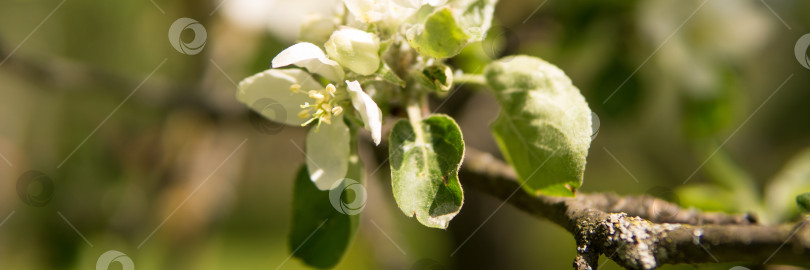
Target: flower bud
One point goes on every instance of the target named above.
(317, 29)
(355, 49)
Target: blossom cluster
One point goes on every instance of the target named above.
(320, 85)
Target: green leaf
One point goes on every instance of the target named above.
(386, 74)
(544, 127)
(320, 234)
(803, 201)
(707, 197)
(791, 181)
(475, 17)
(439, 77)
(727, 174)
(439, 37)
(425, 157)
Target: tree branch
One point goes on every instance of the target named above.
(639, 232)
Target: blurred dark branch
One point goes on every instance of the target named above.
(58, 72)
(639, 232)
(62, 74)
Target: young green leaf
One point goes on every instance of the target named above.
(439, 77)
(475, 17)
(439, 37)
(544, 127)
(320, 234)
(792, 180)
(425, 157)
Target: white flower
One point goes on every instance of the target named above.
(275, 84)
(355, 49)
(311, 57)
(368, 109)
(304, 100)
(368, 11)
(327, 148)
(391, 11)
(282, 18)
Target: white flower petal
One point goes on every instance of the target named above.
(268, 93)
(406, 3)
(367, 11)
(355, 49)
(311, 57)
(434, 3)
(391, 11)
(399, 10)
(368, 109)
(328, 153)
(282, 18)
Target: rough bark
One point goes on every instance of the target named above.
(639, 232)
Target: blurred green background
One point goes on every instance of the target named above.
(151, 154)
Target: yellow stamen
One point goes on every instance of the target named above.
(307, 122)
(314, 94)
(337, 110)
(323, 106)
